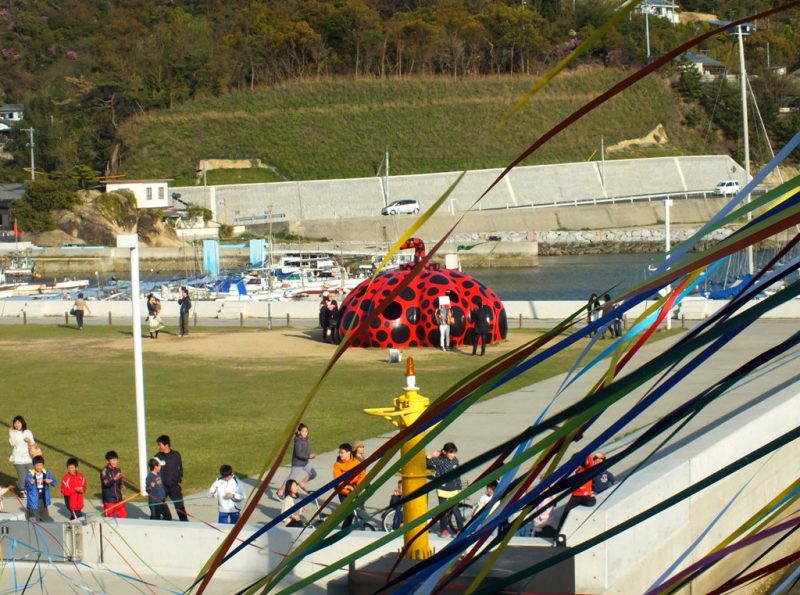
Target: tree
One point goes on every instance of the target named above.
(690, 81)
(33, 210)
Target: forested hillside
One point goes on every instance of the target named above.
(84, 68)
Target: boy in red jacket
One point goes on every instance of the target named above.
(73, 487)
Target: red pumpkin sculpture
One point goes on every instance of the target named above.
(408, 321)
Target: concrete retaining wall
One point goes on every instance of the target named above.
(530, 185)
(633, 560)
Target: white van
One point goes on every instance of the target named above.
(727, 188)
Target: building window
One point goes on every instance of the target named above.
(161, 193)
(149, 193)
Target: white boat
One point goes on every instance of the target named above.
(21, 267)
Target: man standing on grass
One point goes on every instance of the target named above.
(171, 474)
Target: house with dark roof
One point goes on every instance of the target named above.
(8, 194)
(710, 69)
(11, 113)
(747, 28)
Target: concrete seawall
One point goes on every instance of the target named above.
(305, 313)
(488, 239)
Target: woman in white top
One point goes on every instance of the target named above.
(20, 438)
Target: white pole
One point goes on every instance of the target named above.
(386, 179)
(647, 27)
(33, 163)
(603, 162)
(667, 247)
(132, 241)
(746, 135)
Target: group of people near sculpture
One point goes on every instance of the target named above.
(479, 319)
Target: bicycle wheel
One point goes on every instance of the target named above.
(466, 514)
(387, 520)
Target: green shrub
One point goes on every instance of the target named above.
(118, 207)
(33, 211)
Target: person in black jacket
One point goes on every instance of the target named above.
(185, 304)
(324, 315)
(442, 461)
(171, 474)
(481, 318)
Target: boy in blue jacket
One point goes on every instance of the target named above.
(38, 483)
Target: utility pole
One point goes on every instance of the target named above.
(646, 8)
(33, 163)
(746, 137)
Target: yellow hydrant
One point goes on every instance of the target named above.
(407, 408)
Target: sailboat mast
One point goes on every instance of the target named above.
(746, 135)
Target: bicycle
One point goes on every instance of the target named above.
(362, 521)
(466, 510)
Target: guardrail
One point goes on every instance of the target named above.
(612, 200)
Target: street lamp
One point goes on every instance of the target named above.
(132, 241)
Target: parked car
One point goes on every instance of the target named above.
(727, 187)
(408, 206)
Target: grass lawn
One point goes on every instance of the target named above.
(223, 395)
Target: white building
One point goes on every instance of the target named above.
(11, 112)
(150, 194)
(660, 8)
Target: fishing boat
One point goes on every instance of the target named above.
(20, 267)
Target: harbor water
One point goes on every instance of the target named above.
(569, 277)
(556, 277)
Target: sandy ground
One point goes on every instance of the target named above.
(233, 344)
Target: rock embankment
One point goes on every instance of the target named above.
(606, 241)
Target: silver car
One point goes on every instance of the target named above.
(726, 188)
(408, 206)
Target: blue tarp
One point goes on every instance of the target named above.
(236, 283)
(211, 257)
(729, 292)
(258, 252)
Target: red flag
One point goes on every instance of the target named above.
(17, 230)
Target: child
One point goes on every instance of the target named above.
(228, 490)
(301, 457)
(37, 487)
(111, 479)
(73, 487)
(291, 491)
(334, 318)
(487, 496)
(156, 494)
(394, 502)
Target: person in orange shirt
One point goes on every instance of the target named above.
(344, 462)
(583, 494)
